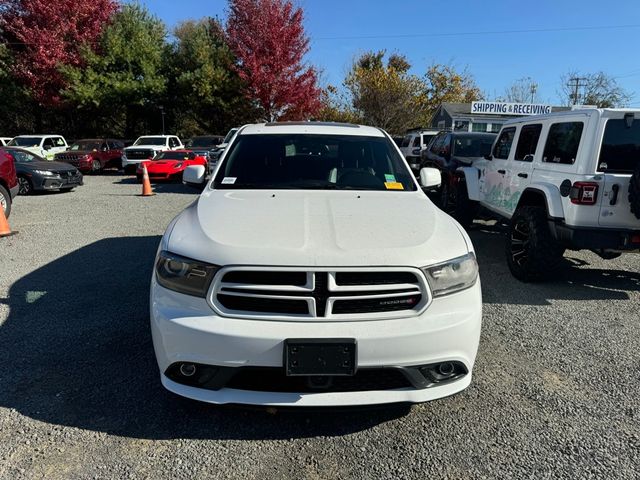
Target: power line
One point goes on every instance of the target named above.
(491, 32)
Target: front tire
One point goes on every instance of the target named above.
(96, 167)
(5, 201)
(532, 252)
(464, 209)
(25, 187)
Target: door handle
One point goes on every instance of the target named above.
(502, 172)
(523, 175)
(614, 195)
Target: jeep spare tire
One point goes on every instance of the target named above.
(634, 192)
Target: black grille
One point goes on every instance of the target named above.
(374, 278)
(387, 304)
(266, 278)
(274, 380)
(139, 154)
(263, 305)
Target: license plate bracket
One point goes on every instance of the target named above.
(320, 357)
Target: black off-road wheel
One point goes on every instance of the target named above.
(532, 253)
(634, 192)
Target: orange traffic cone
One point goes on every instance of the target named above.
(146, 184)
(5, 229)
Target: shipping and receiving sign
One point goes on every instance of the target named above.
(500, 108)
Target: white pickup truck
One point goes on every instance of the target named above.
(147, 147)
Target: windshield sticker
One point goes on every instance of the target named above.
(389, 178)
(290, 150)
(229, 180)
(394, 186)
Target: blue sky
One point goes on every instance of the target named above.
(448, 32)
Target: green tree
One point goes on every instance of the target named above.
(122, 83)
(387, 96)
(17, 105)
(445, 84)
(203, 85)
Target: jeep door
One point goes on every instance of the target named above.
(520, 165)
(618, 157)
(493, 175)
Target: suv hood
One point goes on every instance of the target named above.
(316, 228)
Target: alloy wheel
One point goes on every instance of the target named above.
(520, 235)
(24, 187)
(95, 166)
(3, 201)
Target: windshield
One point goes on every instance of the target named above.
(205, 142)
(472, 146)
(87, 145)
(151, 141)
(620, 151)
(173, 155)
(24, 157)
(305, 161)
(26, 142)
(230, 135)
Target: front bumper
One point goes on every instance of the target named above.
(185, 329)
(56, 183)
(595, 238)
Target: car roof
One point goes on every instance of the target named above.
(318, 128)
(164, 136)
(39, 135)
(473, 134)
(601, 112)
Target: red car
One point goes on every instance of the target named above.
(170, 164)
(8, 181)
(93, 155)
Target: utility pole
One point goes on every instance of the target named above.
(533, 88)
(576, 83)
(162, 113)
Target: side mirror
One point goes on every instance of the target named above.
(430, 177)
(194, 176)
(488, 156)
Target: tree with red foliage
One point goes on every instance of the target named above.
(268, 39)
(44, 34)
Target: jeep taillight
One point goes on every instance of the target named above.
(584, 193)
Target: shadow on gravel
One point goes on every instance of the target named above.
(77, 351)
(575, 280)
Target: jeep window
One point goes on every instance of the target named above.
(161, 141)
(48, 142)
(427, 138)
(562, 142)
(416, 141)
(472, 146)
(406, 141)
(86, 146)
(308, 161)
(503, 145)
(436, 145)
(620, 151)
(528, 141)
(25, 142)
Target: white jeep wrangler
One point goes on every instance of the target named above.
(567, 180)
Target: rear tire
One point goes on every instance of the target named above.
(532, 252)
(5, 201)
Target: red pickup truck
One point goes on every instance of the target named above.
(93, 155)
(8, 181)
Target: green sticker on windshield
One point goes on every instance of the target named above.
(389, 178)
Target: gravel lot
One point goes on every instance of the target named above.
(556, 391)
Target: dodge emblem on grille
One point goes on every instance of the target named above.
(321, 292)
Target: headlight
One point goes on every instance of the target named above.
(183, 274)
(453, 275)
(46, 173)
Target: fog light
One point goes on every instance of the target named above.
(446, 369)
(188, 369)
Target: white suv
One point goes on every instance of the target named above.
(413, 144)
(567, 180)
(300, 277)
(45, 146)
(147, 147)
